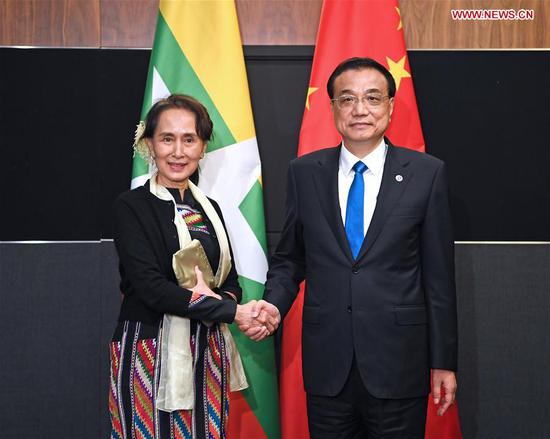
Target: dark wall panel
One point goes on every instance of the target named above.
(49, 326)
(48, 120)
(278, 93)
(68, 116)
(485, 115)
(504, 342)
(67, 120)
(58, 308)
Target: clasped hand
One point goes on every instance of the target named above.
(257, 319)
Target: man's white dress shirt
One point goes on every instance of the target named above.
(372, 178)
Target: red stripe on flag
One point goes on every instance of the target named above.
(350, 28)
(242, 421)
(292, 394)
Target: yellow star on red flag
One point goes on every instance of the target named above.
(310, 91)
(397, 69)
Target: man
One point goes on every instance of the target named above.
(368, 227)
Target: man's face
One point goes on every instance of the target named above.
(362, 125)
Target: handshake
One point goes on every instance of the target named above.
(257, 319)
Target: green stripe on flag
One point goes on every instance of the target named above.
(259, 364)
(180, 77)
(139, 167)
(252, 208)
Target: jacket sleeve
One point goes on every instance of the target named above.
(141, 267)
(438, 275)
(214, 310)
(287, 268)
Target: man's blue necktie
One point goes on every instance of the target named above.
(355, 210)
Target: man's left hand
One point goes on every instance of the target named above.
(447, 379)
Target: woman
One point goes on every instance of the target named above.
(171, 369)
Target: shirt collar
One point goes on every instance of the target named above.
(374, 160)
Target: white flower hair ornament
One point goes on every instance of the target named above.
(140, 145)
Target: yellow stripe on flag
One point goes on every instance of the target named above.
(208, 33)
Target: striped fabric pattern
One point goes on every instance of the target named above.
(193, 218)
(135, 365)
(143, 374)
(116, 426)
(181, 422)
(214, 386)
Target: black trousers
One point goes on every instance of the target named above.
(355, 414)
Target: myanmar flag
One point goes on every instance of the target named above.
(351, 28)
(198, 51)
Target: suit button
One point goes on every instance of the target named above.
(349, 308)
(354, 270)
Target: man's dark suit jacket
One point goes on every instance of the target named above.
(394, 307)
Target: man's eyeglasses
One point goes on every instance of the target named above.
(370, 100)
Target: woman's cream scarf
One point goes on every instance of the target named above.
(176, 389)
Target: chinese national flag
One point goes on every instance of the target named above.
(350, 28)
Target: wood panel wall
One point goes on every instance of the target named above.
(73, 23)
(131, 23)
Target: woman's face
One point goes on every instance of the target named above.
(176, 147)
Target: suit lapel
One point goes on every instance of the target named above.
(326, 184)
(394, 181)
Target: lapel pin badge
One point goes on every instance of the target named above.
(399, 178)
